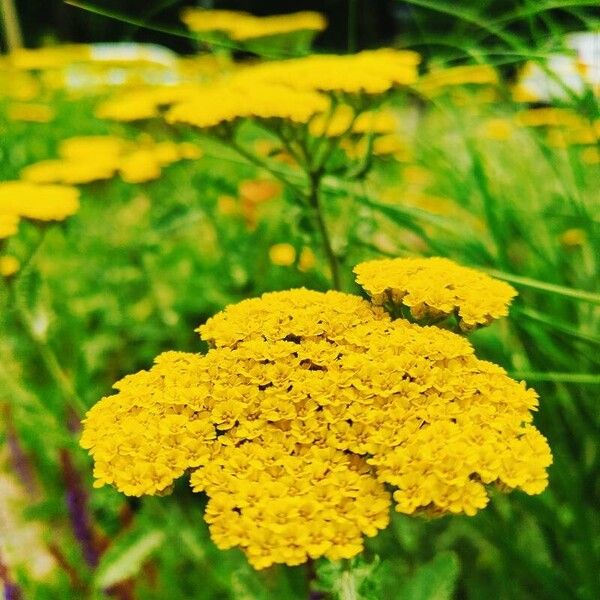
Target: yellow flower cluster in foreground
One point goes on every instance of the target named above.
(436, 288)
(96, 158)
(242, 26)
(304, 408)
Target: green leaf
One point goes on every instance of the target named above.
(126, 557)
(435, 580)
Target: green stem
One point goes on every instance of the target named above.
(50, 361)
(315, 203)
(348, 587)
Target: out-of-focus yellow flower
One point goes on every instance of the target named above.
(307, 408)
(307, 259)
(9, 225)
(38, 202)
(229, 102)
(436, 288)
(590, 156)
(48, 58)
(139, 166)
(31, 113)
(368, 72)
(573, 237)
(17, 85)
(439, 80)
(93, 147)
(417, 176)
(9, 265)
(70, 172)
(241, 26)
(550, 117)
(282, 255)
(189, 151)
(498, 128)
(227, 205)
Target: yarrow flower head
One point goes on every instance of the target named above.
(307, 409)
(436, 288)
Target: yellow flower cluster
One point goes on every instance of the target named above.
(305, 406)
(241, 26)
(229, 102)
(96, 158)
(436, 288)
(368, 72)
(37, 202)
(9, 225)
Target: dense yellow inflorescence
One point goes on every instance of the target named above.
(306, 410)
(38, 202)
(9, 225)
(436, 288)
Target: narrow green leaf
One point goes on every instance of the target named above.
(127, 558)
(435, 580)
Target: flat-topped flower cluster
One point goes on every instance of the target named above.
(309, 412)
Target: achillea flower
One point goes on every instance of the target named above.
(70, 172)
(9, 265)
(95, 158)
(439, 80)
(436, 288)
(38, 202)
(550, 117)
(305, 406)
(140, 166)
(368, 72)
(9, 225)
(242, 26)
(230, 102)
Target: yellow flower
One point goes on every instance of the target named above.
(369, 72)
(242, 26)
(436, 288)
(438, 80)
(497, 129)
(307, 259)
(71, 172)
(306, 406)
(9, 225)
(550, 117)
(282, 255)
(229, 102)
(9, 265)
(140, 166)
(573, 237)
(38, 202)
